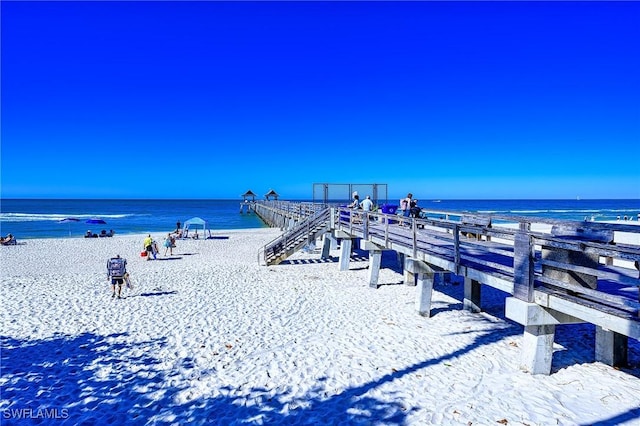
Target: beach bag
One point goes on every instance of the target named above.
(117, 267)
(143, 253)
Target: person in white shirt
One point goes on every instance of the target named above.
(367, 204)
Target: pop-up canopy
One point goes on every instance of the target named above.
(193, 225)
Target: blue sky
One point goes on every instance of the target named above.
(448, 100)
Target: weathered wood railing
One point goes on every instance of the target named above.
(557, 271)
(285, 214)
(569, 272)
(304, 232)
(496, 247)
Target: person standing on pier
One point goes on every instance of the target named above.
(405, 205)
(367, 204)
(355, 204)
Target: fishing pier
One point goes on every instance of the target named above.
(556, 272)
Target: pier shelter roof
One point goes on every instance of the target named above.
(270, 194)
(248, 194)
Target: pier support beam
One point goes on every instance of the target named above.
(537, 349)
(472, 292)
(409, 278)
(329, 243)
(375, 259)
(611, 347)
(425, 291)
(345, 249)
(400, 257)
(539, 332)
(345, 254)
(427, 276)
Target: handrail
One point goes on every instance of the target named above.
(514, 245)
(305, 227)
(460, 236)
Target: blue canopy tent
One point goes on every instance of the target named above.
(193, 225)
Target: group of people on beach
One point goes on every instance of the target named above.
(628, 217)
(102, 233)
(150, 246)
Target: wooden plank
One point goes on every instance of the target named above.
(620, 302)
(582, 233)
(598, 272)
(593, 313)
(479, 220)
(496, 266)
(523, 269)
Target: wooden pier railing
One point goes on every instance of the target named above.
(558, 272)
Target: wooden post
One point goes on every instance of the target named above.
(400, 257)
(537, 348)
(611, 347)
(327, 242)
(456, 248)
(365, 225)
(375, 258)
(523, 272)
(426, 280)
(415, 237)
(409, 278)
(472, 290)
(425, 290)
(345, 254)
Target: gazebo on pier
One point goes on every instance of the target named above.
(246, 195)
(270, 194)
(245, 205)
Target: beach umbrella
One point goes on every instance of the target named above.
(69, 220)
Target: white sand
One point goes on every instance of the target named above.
(212, 337)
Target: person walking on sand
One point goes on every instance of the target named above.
(148, 246)
(116, 272)
(168, 245)
(156, 250)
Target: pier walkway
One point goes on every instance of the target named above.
(557, 272)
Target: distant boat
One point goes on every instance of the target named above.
(436, 201)
(578, 198)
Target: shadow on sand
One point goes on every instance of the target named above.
(111, 380)
(94, 379)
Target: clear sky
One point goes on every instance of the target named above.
(447, 100)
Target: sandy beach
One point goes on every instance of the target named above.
(208, 336)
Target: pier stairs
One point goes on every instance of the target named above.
(303, 225)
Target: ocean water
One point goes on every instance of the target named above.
(42, 218)
(30, 218)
